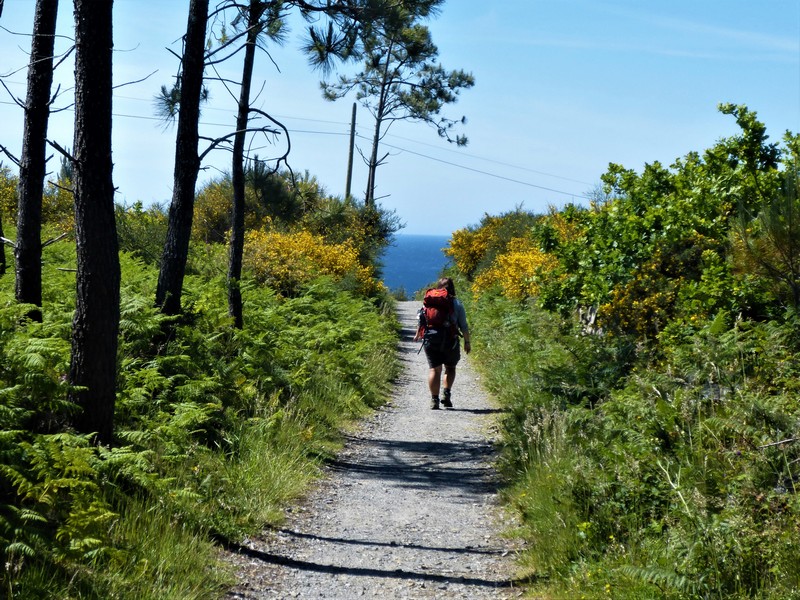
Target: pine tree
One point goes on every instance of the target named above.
(187, 162)
(28, 247)
(401, 79)
(93, 367)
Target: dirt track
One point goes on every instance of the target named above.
(409, 509)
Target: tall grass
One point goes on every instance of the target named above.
(161, 557)
(640, 481)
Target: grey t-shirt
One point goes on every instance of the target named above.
(461, 316)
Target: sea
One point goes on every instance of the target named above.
(414, 262)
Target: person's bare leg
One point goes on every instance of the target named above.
(449, 378)
(434, 382)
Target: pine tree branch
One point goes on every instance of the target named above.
(61, 150)
(11, 157)
(54, 240)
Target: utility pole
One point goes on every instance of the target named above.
(350, 155)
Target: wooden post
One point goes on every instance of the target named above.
(350, 155)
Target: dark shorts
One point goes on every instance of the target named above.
(447, 356)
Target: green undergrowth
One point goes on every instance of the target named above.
(639, 479)
(216, 430)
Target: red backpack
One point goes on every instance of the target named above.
(438, 316)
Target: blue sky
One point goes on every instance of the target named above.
(563, 87)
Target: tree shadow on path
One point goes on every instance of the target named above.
(460, 466)
(284, 561)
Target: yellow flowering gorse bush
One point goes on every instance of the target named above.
(57, 201)
(212, 212)
(568, 231)
(469, 246)
(518, 271)
(8, 194)
(57, 205)
(287, 260)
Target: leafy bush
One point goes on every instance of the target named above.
(142, 231)
(8, 194)
(517, 271)
(285, 203)
(677, 482)
(650, 377)
(475, 248)
(288, 261)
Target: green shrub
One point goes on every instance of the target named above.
(216, 429)
(635, 482)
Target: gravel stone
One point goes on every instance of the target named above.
(408, 509)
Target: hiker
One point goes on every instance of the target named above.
(442, 320)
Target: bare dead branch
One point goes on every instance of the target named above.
(54, 240)
(215, 142)
(146, 77)
(175, 54)
(224, 83)
(786, 441)
(7, 152)
(282, 127)
(16, 100)
(64, 188)
(61, 150)
(8, 242)
(63, 57)
(7, 30)
(225, 46)
(222, 80)
(15, 71)
(222, 7)
(69, 106)
(54, 95)
(260, 91)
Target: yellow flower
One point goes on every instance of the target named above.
(287, 260)
(518, 271)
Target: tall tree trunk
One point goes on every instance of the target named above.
(380, 115)
(96, 323)
(372, 165)
(237, 168)
(28, 250)
(187, 163)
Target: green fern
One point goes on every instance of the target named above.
(667, 580)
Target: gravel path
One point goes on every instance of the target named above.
(409, 509)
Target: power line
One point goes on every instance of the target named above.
(452, 164)
(401, 149)
(487, 173)
(391, 135)
(492, 160)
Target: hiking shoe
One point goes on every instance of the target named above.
(446, 400)
(434, 404)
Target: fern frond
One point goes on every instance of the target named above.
(20, 549)
(663, 578)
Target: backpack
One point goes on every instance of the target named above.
(437, 318)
